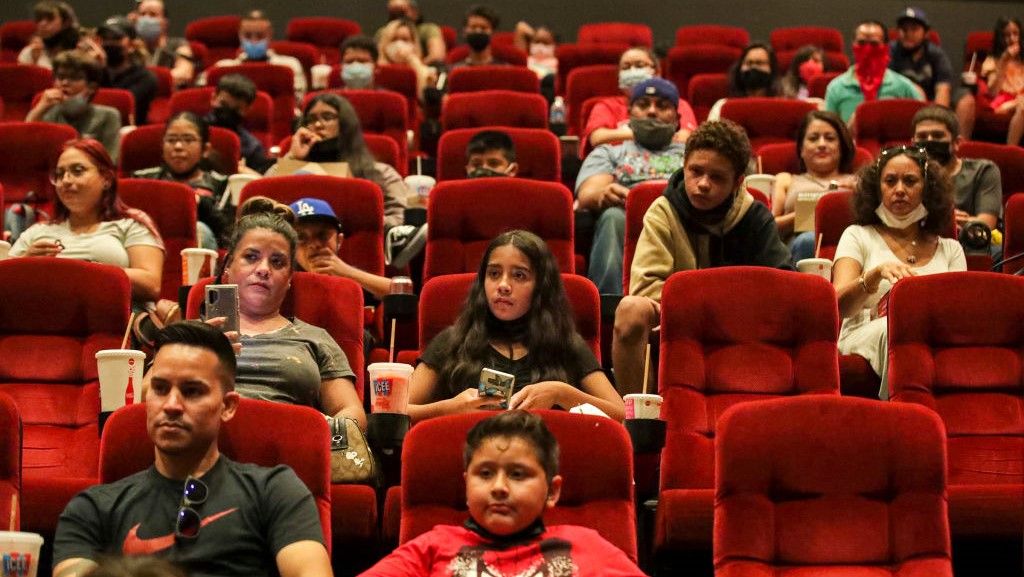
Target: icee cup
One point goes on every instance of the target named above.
(389, 387)
(19, 553)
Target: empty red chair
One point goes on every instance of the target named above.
(977, 45)
(219, 34)
(714, 356)
(823, 485)
(832, 214)
(638, 201)
(684, 62)
(201, 54)
(502, 52)
(819, 84)
(160, 106)
(307, 54)
(250, 437)
(494, 108)
(358, 203)
(596, 493)
(586, 83)
(257, 120)
(474, 78)
(704, 91)
(172, 206)
(380, 112)
(276, 81)
(31, 151)
(734, 36)
(143, 148)
(828, 39)
(10, 460)
(537, 153)
(767, 120)
(573, 56)
(19, 83)
(883, 123)
(781, 157)
(464, 216)
(966, 367)
(1013, 240)
(323, 32)
(15, 35)
(1009, 159)
(48, 366)
(627, 33)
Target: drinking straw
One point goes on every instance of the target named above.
(974, 57)
(391, 349)
(419, 165)
(759, 169)
(647, 365)
(817, 247)
(127, 330)
(14, 509)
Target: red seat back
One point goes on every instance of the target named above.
(474, 78)
(219, 34)
(734, 36)
(819, 84)
(705, 90)
(383, 148)
(596, 493)
(628, 33)
(1009, 159)
(494, 108)
(828, 39)
(882, 123)
(832, 214)
(160, 106)
(684, 62)
(31, 153)
(19, 83)
(465, 215)
(277, 81)
(977, 45)
(250, 437)
(584, 83)
(573, 56)
(10, 458)
(833, 61)
(638, 201)
(767, 120)
(172, 206)
(394, 77)
(258, 119)
(810, 484)
(323, 32)
(1013, 241)
(143, 148)
(119, 99)
(307, 54)
(537, 153)
(782, 157)
(380, 112)
(15, 35)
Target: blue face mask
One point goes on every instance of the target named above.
(148, 28)
(357, 74)
(255, 50)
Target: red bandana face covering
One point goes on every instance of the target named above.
(872, 60)
(809, 69)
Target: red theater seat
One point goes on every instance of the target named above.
(10, 460)
(276, 81)
(537, 153)
(586, 83)
(325, 33)
(792, 38)
(883, 123)
(573, 56)
(627, 33)
(19, 83)
(219, 35)
(474, 78)
(1009, 159)
(15, 35)
(258, 120)
(705, 90)
(684, 62)
(160, 106)
(767, 120)
(638, 201)
(30, 150)
(494, 108)
(143, 148)
(734, 36)
(781, 157)
(1013, 241)
(380, 112)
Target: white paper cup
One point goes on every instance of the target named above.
(197, 263)
(969, 78)
(19, 553)
(421, 184)
(5, 249)
(641, 406)
(236, 182)
(120, 372)
(321, 74)
(819, 266)
(765, 183)
(389, 387)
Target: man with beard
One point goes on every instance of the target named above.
(609, 171)
(194, 506)
(231, 101)
(869, 78)
(705, 219)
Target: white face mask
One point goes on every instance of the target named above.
(900, 222)
(630, 77)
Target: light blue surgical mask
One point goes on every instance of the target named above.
(148, 28)
(630, 77)
(357, 74)
(255, 50)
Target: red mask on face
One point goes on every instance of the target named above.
(809, 69)
(871, 60)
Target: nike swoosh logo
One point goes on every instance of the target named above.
(133, 545)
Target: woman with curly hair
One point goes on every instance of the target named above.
(902, 203)
(516, 320)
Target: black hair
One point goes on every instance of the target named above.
(872, 22)
(487, 140)
(256, 14)
(351, 146)
(515, 424)
(201, 335)
(940, 114)
(847, 150)
(46, 9)
(791, 81)
(194, 119)
(937, 195)
(262, 212)
(483, 11)
(547, 328)
(736, 87)
(360, 42)
(724, 137)
(650, 54)
(237, 86)
(998, 41)
(79, 62)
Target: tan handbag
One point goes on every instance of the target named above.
(351, 459)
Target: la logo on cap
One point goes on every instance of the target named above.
(306, 209)
(650, 90)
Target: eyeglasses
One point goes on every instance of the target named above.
(69, 77)
(188, 522)
(175, 140)
(324, 117)
(76, 171)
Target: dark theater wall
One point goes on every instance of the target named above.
(952, 19)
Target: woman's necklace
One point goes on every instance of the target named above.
(908, 248)
(824, 183)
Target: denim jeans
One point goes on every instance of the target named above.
(606, 251)
(206, 238)
(802, 246)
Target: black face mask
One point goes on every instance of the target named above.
(478, 41)
(396, 14)
(755, 79)
(937, 150)
(66, 39)
(325, 151)
(225, 117)
(115, 55)
(652, 134)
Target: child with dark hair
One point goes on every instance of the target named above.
(491, 153)
(511, 470)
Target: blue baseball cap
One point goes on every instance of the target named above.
(307, 209)
(656, 87)
(912, 13)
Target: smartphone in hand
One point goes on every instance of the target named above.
(222, 301)
(497, 384)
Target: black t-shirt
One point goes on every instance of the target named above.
(250, 514)
(140, 82)
(579, 361)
